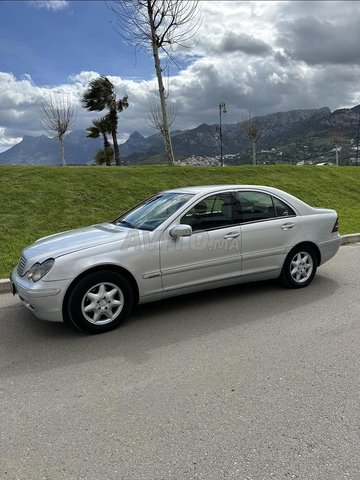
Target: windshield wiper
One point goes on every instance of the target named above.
(126, 223)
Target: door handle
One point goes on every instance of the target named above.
(232, 235)
(287, 226)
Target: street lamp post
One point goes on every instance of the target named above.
(357, 143)
(222, 109)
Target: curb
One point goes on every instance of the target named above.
(351, 238)
(5, 284)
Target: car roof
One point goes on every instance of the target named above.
(200, 190)
(215, 188)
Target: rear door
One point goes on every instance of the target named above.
(268, 228)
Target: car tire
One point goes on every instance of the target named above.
(299, 267)
(100, 301)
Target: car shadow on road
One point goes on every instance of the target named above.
(39, 345)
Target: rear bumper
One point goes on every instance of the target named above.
(329, 248)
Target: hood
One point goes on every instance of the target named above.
(79, 239)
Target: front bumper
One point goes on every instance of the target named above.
(43, 299)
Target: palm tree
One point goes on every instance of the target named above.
(104, 155)
(100, 95)
(102, 127)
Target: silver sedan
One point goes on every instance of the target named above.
(176, 242)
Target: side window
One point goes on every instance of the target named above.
(255, 206)
(215, 211)
(282, 210)
(252, 206)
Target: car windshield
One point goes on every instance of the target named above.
(154, 211)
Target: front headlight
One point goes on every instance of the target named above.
(39, 270)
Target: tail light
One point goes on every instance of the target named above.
(336, 226)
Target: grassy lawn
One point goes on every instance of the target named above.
(38, 201)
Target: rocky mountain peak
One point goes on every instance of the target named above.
(136, 136)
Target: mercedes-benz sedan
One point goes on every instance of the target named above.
(176, 242)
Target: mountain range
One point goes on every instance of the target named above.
(286, 132)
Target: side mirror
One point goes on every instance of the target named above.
(180, 231)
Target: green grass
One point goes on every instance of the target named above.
(38, 201)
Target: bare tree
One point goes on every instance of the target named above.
(337, 140)
(57, 118)
(155, 116)
(157, 26)
(253, 131)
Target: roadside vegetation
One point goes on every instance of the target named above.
(39, 201)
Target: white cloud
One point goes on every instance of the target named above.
(7, 141)
(252, 55)
(53, 5)
(21, 99)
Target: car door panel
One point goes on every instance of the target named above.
(265, 243)
(211, 254)
(204, 257)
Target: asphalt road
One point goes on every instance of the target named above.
(252, 382)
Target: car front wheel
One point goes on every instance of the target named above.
(100, 301)
(299, 267)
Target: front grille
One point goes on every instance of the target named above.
(21, 266)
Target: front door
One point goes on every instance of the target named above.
(211, 254)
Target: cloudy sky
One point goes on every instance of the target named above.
(261, 57)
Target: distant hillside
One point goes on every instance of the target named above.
(79, 150)
(287, 137)
(296, 135)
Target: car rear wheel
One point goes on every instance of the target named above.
(299, 267)
(100, 301)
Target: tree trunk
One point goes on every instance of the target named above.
(166, 129)
(337, 156)
(113, 116)
(106, 145)
(62, 151)
(254, 152)
(116, 149)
